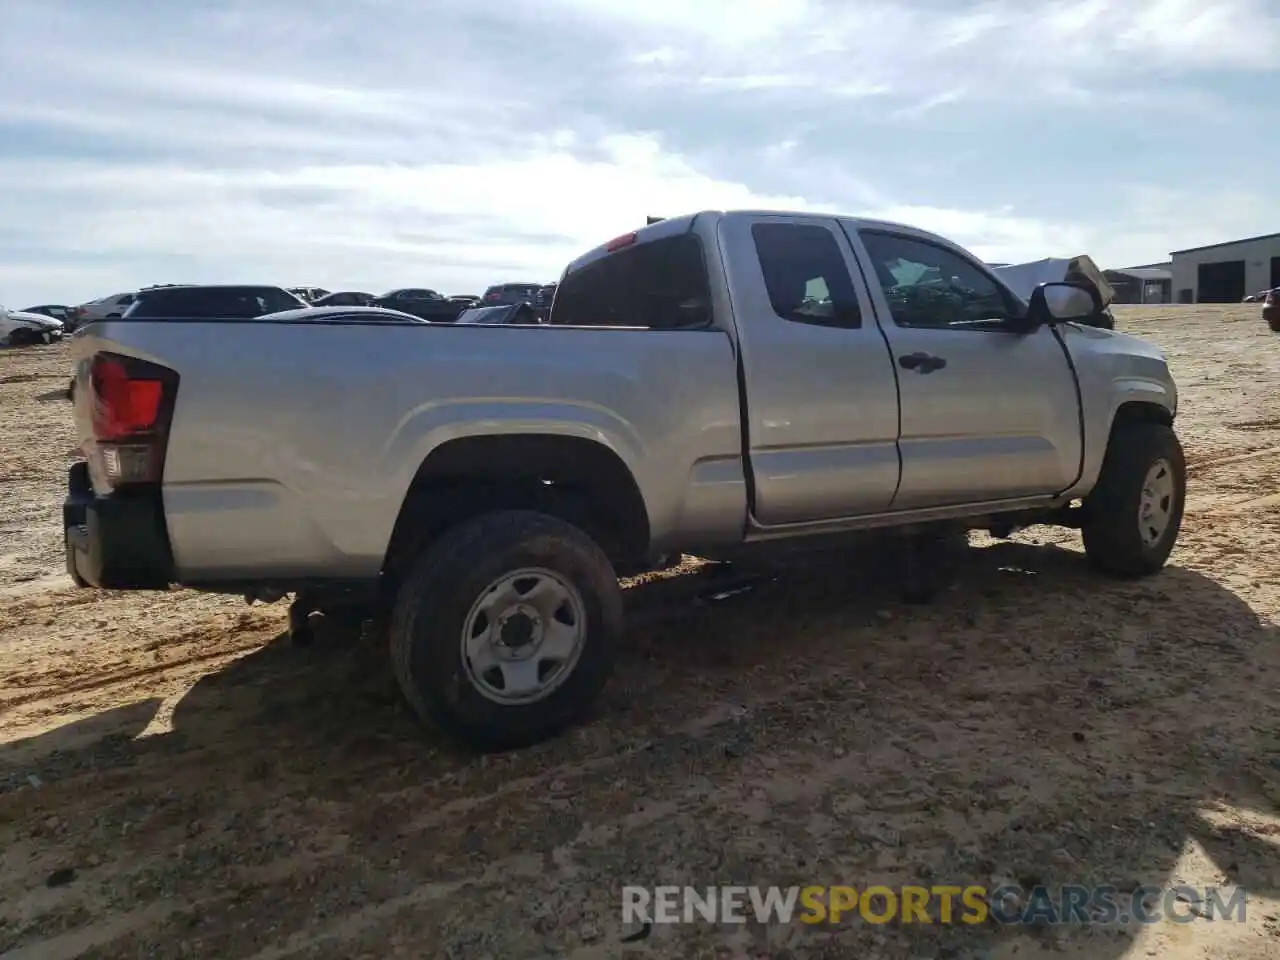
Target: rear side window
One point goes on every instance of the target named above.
(806, 275)
(661, 285)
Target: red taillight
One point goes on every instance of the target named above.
(123, 405)
(132, 405)
(617, 243)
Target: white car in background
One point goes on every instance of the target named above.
(18, 329)
(103, 308)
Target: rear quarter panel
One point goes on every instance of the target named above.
(293, 445)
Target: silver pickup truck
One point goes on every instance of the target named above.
(711, 384)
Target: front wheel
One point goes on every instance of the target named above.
(1133, 515)
(505, 630)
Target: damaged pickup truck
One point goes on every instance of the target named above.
(710, 384)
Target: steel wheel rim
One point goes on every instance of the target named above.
(523, 636)
(1155, 505)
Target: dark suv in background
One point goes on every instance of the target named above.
(501, 294)
(223, 301)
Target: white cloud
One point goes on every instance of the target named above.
(995, 49)
(365, 143)
(450, 225)
(723, 23)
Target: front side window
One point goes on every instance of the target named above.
(659, 285)
(805, 275)
(932, 287)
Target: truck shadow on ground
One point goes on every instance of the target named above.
(1034, 724)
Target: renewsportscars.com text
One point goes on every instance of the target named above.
(936, 904)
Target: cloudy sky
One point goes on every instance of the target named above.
(369, 144)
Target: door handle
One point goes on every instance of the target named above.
(923, 362)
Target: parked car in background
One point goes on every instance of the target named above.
(421, 302)
(785, 376)
(55, 310)
(113, 305)
(308, 294)
(501, 293)
(21, 329)
(464, 298)
(226, 301)
(1271, 309)
(502, 313)
(344, 298)
(317, 314)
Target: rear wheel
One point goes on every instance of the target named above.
(505, 630)
(1134, 514)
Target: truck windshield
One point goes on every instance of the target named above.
(661, 284)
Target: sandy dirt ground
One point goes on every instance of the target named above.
(177, 781)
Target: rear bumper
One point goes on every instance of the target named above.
(117, 542)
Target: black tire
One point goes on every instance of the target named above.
(22, 337)
(1113, 541)
(433, 604)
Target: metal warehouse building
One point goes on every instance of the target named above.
(1141, 284)
(1226, 272)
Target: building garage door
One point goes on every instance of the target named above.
(1221, 282)
(1275, 272)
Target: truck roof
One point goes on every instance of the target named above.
(672, 226)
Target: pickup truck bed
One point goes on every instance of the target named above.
(710, 384)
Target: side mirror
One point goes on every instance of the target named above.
(1063, 302)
